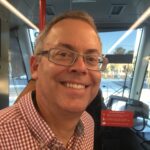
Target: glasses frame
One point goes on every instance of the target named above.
(103, 60)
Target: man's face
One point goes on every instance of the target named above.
(70, 88)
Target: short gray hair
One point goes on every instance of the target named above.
(72, 14)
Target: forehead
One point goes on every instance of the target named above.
(75, 32)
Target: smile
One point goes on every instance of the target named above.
(74, 85)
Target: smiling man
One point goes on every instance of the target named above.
(67, 68)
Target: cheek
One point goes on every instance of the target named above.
(44, 70)
(96, 78)
(49, 71)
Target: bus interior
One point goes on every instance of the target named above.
(124, 29)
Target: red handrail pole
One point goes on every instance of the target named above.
(42, 14)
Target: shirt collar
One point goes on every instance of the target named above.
(37, 125)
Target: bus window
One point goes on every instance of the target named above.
(18, 68)
(117, 78)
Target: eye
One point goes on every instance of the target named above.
(62, 54)
(92, 59)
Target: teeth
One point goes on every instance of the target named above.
(75, 86)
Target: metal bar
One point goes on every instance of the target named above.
(42, 14)
(11, 8)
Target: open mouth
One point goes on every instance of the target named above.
(74, 85)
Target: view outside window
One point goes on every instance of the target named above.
(17, 71)
(117, 78)
(33, 36)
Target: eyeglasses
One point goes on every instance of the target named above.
(68, 58)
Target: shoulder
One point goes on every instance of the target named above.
(14, 112)
(87, 119)
(88, 126)
(8, 115)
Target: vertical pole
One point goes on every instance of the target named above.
(4, 57)
(42, 13)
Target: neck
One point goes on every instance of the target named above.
(62, 123)
(62, 127)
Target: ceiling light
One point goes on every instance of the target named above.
(117, 9)
(50, 10)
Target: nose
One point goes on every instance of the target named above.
(79, 66)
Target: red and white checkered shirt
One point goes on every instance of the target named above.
(22, 128)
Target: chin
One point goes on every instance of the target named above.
(76, 109)
(76, 105)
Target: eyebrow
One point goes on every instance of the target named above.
(70, 47)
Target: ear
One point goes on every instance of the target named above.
(34, 62)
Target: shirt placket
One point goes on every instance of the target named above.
(55, 145)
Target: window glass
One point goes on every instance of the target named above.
(109, 38)
(17, 72)
(17, 84)
(117, 78)
(33, 35)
